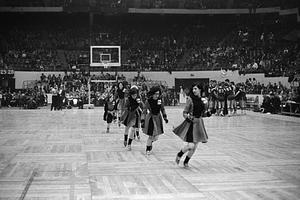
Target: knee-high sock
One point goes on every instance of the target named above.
(187, 159)
(148, 148)
(137, 132)
(180, 154)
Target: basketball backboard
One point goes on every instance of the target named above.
(104, 56)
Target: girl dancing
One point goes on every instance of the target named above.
(192, 129)
(132, 116)
(109, 111)
(153, 122)
(120, 96)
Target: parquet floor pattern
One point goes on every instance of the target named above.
(67, 155)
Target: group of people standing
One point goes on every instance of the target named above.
(224, 97)
(126, 107)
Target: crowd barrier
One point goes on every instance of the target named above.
(290, 108)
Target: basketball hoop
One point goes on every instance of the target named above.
(105, 64)
(105, 56)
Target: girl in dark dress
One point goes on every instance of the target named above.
(192, 129)
(131, 117)
(109, 111)
(153, 109)
(120, 96)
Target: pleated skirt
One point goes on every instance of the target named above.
(121, 105)
(192, 131)
(153, 125)
(131, 119)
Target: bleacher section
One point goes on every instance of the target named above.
(182, 43)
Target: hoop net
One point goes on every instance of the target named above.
(105, 64)
(101, 55)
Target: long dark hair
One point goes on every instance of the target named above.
(153, 90)
(191, 93)
(118, 85)
(196, 98)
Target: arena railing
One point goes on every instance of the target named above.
(290, 108)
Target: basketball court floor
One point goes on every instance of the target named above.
(67, 155)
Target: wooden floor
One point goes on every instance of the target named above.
(66, 155)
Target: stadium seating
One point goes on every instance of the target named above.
(153, 43)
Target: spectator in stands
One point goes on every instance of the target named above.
(266, 106)
(275, 102)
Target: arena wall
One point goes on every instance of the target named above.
(167, 77)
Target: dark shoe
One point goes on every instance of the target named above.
(186, 165)
(125, 143)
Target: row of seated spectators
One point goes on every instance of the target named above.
(175, 47)
(28, 99)
(71, 87)
(214, 4)
(147, 49)
(249, 49)
(32, 3)
(140, 47)
(287, 101)
(35, 50)
(252, 86)
(259, 49)
(73, 81)
(29, 49)
(73, 84)
(189, 4)
(217, 4)
(276, 97)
